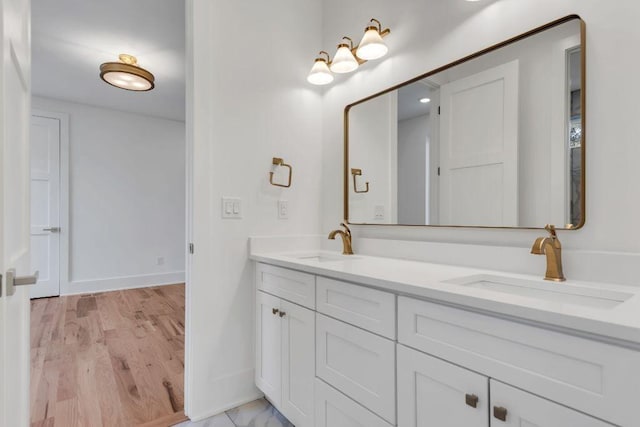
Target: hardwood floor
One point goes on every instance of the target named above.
(108, 359)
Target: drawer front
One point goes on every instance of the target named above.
(525, 409)
(287, 284)
(590, 376)
(358, 363)
(334, 409)
(367, 308)
(432, 392)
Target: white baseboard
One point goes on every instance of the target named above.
(121, 283)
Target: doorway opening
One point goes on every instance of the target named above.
(108, 197)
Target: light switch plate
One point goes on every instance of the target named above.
(283, 209)
(231, 208)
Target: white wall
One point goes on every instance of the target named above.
(413, 164)
(126, 199)
(431, 33)
(250, 102)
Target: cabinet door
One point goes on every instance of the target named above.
(432, 392)
(268, 346)
(519, 408)
(298, 363)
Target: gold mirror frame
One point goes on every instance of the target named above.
(583, 57)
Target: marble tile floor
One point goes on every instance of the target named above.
(258, 413)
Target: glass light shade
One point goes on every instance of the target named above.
(127, 75)
(320, 73)
(344, 61)
(372, 46)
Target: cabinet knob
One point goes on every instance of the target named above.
(282, 314)
(471, 400)
(275, 311)
(500, 413)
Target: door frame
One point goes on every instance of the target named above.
(63, 118)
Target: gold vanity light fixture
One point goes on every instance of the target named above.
(349, 57)
(372, 46)
(127, 74)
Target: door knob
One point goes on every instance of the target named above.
(12, 281)
(52, 229)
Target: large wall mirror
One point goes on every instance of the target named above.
(493, 140)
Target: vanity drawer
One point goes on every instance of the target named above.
(334, 409)
(358, 363)
(290, 285)
(367, 308)
(596, 378)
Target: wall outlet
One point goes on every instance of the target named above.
(283, 209)
(231, 207)
(160, 260)
(378, 213)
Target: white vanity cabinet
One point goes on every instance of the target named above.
(332, 353)
(285, 353)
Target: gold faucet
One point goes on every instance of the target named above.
(346, 239)
(551, 247)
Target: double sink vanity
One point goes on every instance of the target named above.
(362, 341)
(350, 341)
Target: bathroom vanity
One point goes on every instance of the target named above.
(366, 341)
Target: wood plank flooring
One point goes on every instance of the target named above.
(108, 359)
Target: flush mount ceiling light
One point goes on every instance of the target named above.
(348, 58)
(127, 74)
(344, 61)
(372, 46)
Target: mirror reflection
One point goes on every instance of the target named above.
(495, 141)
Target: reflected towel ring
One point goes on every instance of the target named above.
(277, 161)
(358, 172)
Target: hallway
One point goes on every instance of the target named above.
(108, 359)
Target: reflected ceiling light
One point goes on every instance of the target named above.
(425, 100)
(344, 61)
(372, 46)
(127, 74)
(320, 73)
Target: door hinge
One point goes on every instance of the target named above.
(438, 110)
(438, 170)
(191, 248)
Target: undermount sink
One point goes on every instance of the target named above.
(324, 257)
(555, 292)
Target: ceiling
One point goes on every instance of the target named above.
(71, 38)
(409, 105)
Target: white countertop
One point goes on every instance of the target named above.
(619, 324)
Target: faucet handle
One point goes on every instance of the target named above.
(551, 229)
(348, 230)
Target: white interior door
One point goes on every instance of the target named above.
(14, 211)
(45, 205)
(479, 148)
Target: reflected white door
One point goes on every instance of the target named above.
(14, 211)
(479, 148)
(45, 205)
